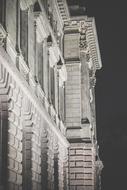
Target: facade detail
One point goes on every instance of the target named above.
(48, 62)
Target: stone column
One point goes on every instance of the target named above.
(56, 165)
(31, 147)
(66, 169)
(61, 167)
(50, 161)
(27, 145)
(44, 159)
(36, 150)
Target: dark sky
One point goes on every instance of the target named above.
(111, 88)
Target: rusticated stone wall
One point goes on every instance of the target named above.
(35, 151)
(81, 164)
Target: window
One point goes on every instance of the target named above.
(2, 12)
(40, 63)
(52, 85)
(24, 34)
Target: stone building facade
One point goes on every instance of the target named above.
(48, 62)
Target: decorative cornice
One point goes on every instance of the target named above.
(88, 38)
(91, 36)
(63, 9)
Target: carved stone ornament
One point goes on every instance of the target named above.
(91, 96)
(41, 29)
(62, 75)
(25, 4)
(53, 56)
(88, 57)
(83, 41)
(92, 82)
(2, 35)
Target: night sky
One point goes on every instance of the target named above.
(111, 88)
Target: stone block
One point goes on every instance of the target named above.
(16, 166)
(10, 163)
(12, 152)
(77, 158)
(11, 139)
(80, 188)
(88, 157)
(80, 164)
(72, 152)
(88, 175)
(72, 164)
(88, 152)
(77, 182)
(73, 188)
(89, 182)
(12, 176)
(19, 179)
(88, 170)
(19, 156)
(20, 168)
(79, 176)
(77, 170)
(11, 186)
(72, 176)
(79, 152)
(88, 164)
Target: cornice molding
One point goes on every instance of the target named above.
(88, 43)
(92, 39)
(63, 9)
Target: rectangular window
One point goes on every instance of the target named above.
(52, 81)
(24, 34)
(2, 12)
(40, 63)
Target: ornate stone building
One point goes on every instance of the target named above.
(48, 62)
